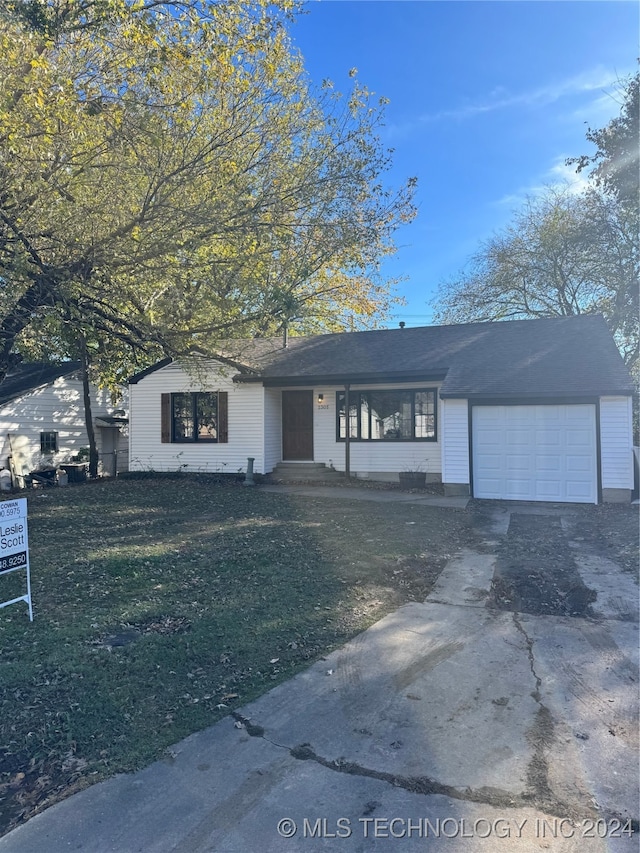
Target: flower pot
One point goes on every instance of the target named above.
(412, 479)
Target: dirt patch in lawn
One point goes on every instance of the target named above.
(535, 571)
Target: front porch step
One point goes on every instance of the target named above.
(316, 472)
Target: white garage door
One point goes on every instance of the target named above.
(535, 453)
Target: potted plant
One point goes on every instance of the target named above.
(413, 476)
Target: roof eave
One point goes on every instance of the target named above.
(133, 380)
(31, 388)
(483, 396)
(342, 379)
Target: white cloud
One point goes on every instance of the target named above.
(594, 80)
(598, 79)
(558, 176)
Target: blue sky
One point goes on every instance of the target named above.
(487, 100)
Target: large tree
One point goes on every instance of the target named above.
(566, 253)
(562, 254)
(615, 166)
(168, 178)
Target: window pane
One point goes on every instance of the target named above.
(364, 415)
(207, 409)
(341, 427)
(182, 417)
(353, 415)
(390, 415)
(425, 421)
(425, 426)
(48, 442)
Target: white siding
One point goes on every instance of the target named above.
(372, 457)
(246, 423)
(57, 406)
(616, 442)
(272, 428)
(455, 441)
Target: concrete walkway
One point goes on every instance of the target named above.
(447, 726)
(356, 493)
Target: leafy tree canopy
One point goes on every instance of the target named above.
(169, 177)
(615, 165)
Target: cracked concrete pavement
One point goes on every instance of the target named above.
(447, 726)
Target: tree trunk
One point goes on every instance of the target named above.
(18, 318)
(88, 419)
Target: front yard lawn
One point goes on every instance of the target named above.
(163, 604)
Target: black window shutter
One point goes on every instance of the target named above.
(223, 417)
(165, 418)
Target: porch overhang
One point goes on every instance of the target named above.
(110, 422)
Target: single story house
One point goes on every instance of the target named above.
(535, 410)
(42, 419)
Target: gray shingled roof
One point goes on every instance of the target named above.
(31, 375)
(554, 357)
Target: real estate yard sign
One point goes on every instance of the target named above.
(14, 545)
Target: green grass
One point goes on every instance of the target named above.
(222, 591)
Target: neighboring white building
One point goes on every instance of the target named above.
(42, 419)
(534, 410)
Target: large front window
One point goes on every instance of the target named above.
(194, 417)
(388, 415)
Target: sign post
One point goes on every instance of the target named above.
(14, 546)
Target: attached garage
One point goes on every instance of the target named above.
(535, 452)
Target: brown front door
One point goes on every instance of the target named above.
(297, 425)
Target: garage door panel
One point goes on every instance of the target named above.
(552, 418)
(491, 463)
(490, 488)
(519, 489)
(578, 465)
(579, 492)
(548, 438)
(491, 443)
(550, 464)
(579, 438)
(517, 464)
(545, 453)
(516, 416)
(577, 414)
(518, 437)
(548, 490)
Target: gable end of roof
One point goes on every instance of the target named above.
(30, 376)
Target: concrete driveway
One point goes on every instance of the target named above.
(451, 725)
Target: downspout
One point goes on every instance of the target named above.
(347, 433)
